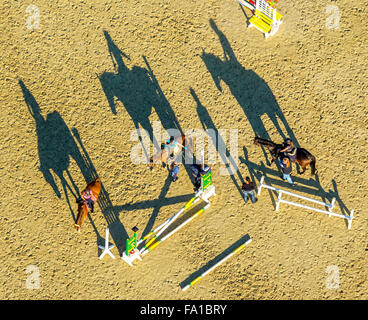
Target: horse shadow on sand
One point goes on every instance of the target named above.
(57, 145)
(250, 91)
(138, 89)
(218, 142)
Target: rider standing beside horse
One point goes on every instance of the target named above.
(299, 155)
(169, 149)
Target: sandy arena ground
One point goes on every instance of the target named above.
(72, 92)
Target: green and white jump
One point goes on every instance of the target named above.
(132, 251)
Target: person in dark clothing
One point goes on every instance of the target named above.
(248, 190)
(197, 169)
(286, 170)
(174, 171)
(288, 150)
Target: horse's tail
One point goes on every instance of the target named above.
(313, 165)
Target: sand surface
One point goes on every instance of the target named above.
(74, 90)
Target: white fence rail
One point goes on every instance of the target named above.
(330, 206)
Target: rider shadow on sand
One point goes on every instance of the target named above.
(251, 92)
(139, 91)
(56, 145)
(208, 124)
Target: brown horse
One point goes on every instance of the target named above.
(95, 187)
(162, 156)
(303, 157)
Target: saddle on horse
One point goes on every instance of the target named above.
(89, 199)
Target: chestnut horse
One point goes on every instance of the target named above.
(303, 157)
(161, 157)
(95, 187)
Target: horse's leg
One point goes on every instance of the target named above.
(273, 159)
(304, 167)
(154, 158)
(78, 223)
(83, 217)
(150, 163)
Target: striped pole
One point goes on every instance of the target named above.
(242, 246)
(150, 248)
(166, 224)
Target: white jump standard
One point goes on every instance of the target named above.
(107, 247)
(133, 252)
(329, 205)
(265, 17)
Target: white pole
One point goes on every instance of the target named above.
(278, 200)
(260, 186)
(315, 209)
(332, 206)
(160, 226)
(351, 218)
(175, 230)
(202, 156)
(171, 220)
(296, 195)
(216, 265)
(154, 231)
(106, 248)
(168, 222)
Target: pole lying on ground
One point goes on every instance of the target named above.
(242, 246)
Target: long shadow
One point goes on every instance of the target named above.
(55, 147)
(110, 212)
(335, 193)
(251, 91)
(154, 203)
(139, 91)
(217, 141)
(211, 263)
(309, 186)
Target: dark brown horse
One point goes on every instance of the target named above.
(303, 157)
(95, 187)
(162, 156)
